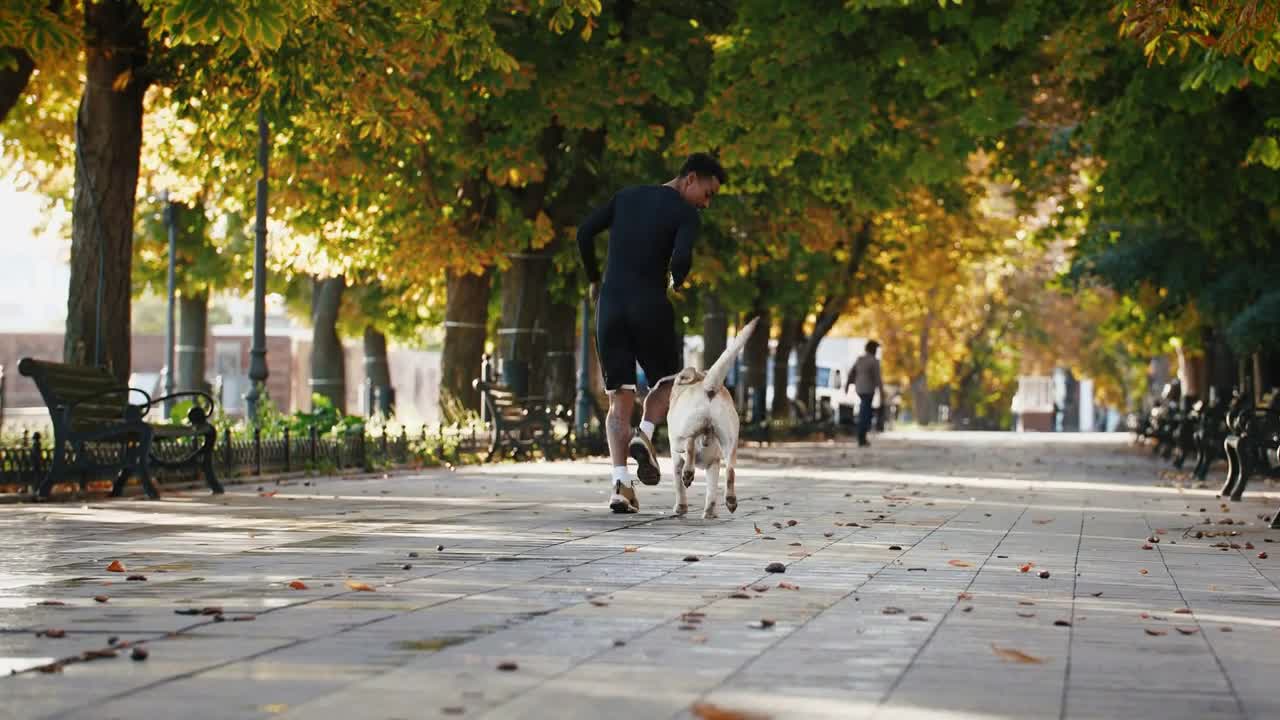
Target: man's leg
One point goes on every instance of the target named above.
(618, 433)
(618, 425)
(641, 447)
(864, 417)
(661, 359)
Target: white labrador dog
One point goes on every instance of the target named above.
(702, 422)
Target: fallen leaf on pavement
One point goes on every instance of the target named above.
(959, 563)
(298, 585)
(758, 530)
(707, 711)
(53, 633)
(1097, 594)
(1026, 602)
(1157, 633)
(1026, 568)
(600, 603)
(788, 586)
(1023, 614)
(1182, 611)
(1043, 522)
(362, 587)
(740, 596)
(892, 611)
(1016, 655)
(101, 598)
(54, 603)
(1062, 623)
(139, 578)
(508, 666)
(1143, 571)
(964, 596)
(631, 548)
(1187, 631)
(115, 566)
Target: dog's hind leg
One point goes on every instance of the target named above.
(682, 499)
(691, 452)
(729, 450)
(713, 490)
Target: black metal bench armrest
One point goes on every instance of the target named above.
(200, 411)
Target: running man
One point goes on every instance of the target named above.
(651, 230)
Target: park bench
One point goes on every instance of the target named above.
(520, 424)
(1253, 446)
(97, 427)
(1209, 435)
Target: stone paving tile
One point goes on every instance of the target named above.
(904, 593)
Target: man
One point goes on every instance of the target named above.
(651, 229)
(865, 378)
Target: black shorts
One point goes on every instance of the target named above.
(631, 329)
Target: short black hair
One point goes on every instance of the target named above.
(704, 165)
(872, 346)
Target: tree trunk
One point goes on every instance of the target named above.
(377, 373)
(108, 144)
(807, 352)
(13, 80)
(920, 400)
(715, 329)
(832, 307)
(522, 334)
(1222, 365)
(756, 355)
(193, 328)
(328, 363)
(787, 336)
(561, 361)
(466, 317)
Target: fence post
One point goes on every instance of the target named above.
(314, 443)
(37, 458)
(226, 451)
(366, 463)
(286, 448)
(337, 450)
(257, 450)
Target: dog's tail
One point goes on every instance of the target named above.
(720, 369)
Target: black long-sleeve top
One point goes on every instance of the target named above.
(651, 227)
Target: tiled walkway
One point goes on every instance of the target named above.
(904, 593)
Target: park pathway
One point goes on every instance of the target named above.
(959, 575)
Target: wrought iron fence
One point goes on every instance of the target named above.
(24, 461)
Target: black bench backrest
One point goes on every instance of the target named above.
(61, 385)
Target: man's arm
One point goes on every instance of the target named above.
(682, 253)
(598, 220)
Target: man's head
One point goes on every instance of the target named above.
(872, 347)
(700, 178)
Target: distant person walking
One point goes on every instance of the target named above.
(866, 379)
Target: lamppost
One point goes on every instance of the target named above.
(582, 414)
(258, 350)
(171, 223)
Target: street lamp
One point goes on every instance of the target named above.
(258, 350)
(171, 223)
(583, 412)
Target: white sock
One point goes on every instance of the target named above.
(619, 474)
(646, 427)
